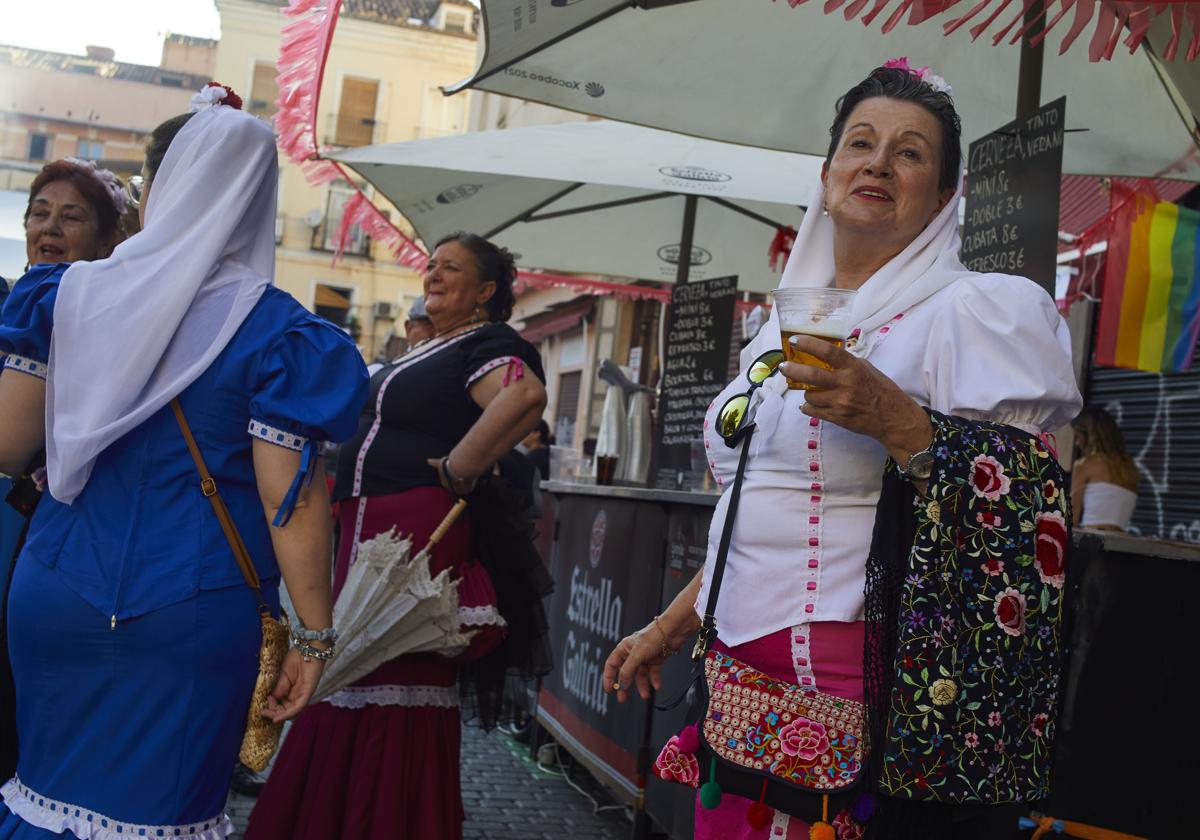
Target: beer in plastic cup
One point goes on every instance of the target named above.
(820, 313)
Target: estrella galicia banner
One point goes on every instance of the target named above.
(607, 566)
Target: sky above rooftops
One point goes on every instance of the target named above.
(133, 28)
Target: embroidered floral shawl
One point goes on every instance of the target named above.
(973, 613)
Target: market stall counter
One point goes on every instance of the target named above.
(621, 554)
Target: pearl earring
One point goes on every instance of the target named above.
(824, 209)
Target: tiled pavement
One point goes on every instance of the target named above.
(508, 797)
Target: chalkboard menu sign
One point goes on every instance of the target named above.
(1013, 177)
(696, 364)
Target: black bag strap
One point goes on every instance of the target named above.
(708, 624)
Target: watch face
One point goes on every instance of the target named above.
(920, 465)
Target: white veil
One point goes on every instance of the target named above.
(926, 266)
(131, 332)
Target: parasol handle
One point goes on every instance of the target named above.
(449, 521)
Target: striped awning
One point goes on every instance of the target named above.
(1084, 200)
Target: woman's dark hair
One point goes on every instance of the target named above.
(108, 220)
(906, 86)
(543, 430)
(494, 264)
(160, 141)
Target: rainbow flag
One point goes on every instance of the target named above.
(1150, 306)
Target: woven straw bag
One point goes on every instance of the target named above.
(261, 738)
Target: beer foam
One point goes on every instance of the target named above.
(835, 329)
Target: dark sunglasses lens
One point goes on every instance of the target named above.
(764, 366)
(731, 415)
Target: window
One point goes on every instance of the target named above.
(333, 303)
(455, 22)
(356, 114)
(264, 90)
(568, 406)
(325, 235)
(89, 150)
(39, 146)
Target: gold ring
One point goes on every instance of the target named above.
(616, 686)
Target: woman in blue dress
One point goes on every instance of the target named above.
(133, 636)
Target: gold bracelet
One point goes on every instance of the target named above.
(667, 650)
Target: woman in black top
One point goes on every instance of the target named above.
(380, 758)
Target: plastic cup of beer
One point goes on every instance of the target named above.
(819, 313)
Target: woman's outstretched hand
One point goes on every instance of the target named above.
(857, 397)
(638, 658)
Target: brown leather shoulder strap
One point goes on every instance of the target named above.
(208, 486)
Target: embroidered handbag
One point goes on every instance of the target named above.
(261, 737)
(799, 751)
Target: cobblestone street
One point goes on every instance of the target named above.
(508, 797)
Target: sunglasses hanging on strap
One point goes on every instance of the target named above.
(768, 740)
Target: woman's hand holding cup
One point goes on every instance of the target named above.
(856, 396)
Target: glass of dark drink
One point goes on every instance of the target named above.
(606, 469)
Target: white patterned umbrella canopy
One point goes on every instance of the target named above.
(768, 75)
(599, 197)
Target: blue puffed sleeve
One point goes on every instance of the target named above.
(27, 319)
(312, 384)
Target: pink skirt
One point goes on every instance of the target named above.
(826, 655)
(380, 760)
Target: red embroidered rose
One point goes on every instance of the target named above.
(847, 828)
(987, 519)
(1010, 612)
(1050, 491)
(1038, 724)
(993, 567)
(987, 478)
(673, 765)
(1051, 558)
(805, 739)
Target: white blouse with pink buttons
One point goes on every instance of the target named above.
(985, 348)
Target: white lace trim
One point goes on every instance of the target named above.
(488, 367)
(26, 365)
(54, 816)
(479, 616)
(277, 436)
(358, 697)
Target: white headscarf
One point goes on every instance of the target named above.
(131, 332)
(929, 264)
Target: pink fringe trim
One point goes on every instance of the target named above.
(1114, 19)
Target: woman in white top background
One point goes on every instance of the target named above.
(1104, 480)
(938, 358)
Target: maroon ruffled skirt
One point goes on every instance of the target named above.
(380, 760)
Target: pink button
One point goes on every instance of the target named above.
(801, 661)
(813, 520)
(706, 424)
(816, 500)
(812, 586)
(812, 564)
(799, 640)
(814, 421)
(809, 608)
(813, 466)
(812, 541)
(812, 444)
(806, 680)
(816, 485)
(884, 331)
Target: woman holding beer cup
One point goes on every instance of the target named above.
(912, 404)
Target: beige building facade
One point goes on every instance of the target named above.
(381, 85)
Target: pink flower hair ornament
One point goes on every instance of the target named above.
(107, 179)
(923, 73)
